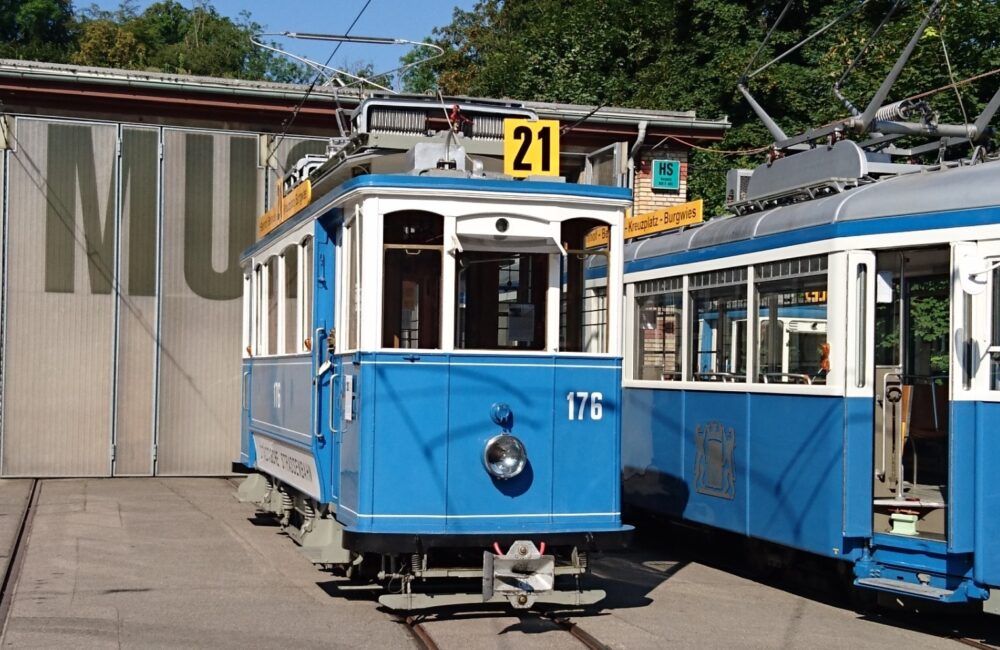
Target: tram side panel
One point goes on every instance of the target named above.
(768, 466)
(981, 419)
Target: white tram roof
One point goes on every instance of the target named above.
(925, 193)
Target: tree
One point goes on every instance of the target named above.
(688, 55)
(165, 37)
(39, 30)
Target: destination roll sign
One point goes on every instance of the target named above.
(649, 223)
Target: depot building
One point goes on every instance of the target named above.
(127, 198)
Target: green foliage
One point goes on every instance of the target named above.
(37, 30)
(419, 78)
(166, 37)
(689, 55)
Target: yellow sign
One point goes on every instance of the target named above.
(286, 208)
(531, 148)
(675, 216)
(649, 223)
(600, 236)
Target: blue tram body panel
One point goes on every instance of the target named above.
(431, 415)
(731, 460)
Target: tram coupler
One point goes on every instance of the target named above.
(520, 575)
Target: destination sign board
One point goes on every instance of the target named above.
(283, 210)
(648, 223)
(675, 216)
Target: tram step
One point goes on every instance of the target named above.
(906, 588)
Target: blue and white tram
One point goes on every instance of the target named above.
(431, 389)
(826, 375)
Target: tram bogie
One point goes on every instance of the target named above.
(412, 341)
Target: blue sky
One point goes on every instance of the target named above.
(409, 19)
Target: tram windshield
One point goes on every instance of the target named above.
(501, 300)
(507, 288)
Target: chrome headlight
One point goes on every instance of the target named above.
(504, 456)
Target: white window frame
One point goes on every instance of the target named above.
(837, 314)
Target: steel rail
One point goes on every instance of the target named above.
(16, 558)
(973, 643)
(419, 633)
(578, 633)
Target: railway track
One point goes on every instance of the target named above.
(16, 557)
(425, 640)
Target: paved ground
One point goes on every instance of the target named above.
(174, 563)
(178, 563)
(14, 495)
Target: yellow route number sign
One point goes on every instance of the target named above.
(531, 148)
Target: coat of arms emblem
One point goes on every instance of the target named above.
(714, 471)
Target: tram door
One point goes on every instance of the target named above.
(912, 378)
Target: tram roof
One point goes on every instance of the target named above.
(920, 200)
(434, 184)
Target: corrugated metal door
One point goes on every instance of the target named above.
(214, 192)
(60, 305)
(137, 312)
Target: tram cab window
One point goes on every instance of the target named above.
(290, 312)
(792, 343)
(413, 245)
(271, 271)
(718, 325)
(583, 323)
(659, 324)
(501, 300)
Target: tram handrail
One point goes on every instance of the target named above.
(715, 376)
(905, 379)
(329, 415)
(805, 379)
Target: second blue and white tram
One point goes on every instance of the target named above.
(825, 375)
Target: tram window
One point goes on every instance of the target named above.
(290, 312)
(583, 323)
(501, 300)
(718, 332)
(792, 346)
(887, 325)
(659, 313)
(259, 299)
(272, 305)
(305, 305)
(411, 294)
(353, 231)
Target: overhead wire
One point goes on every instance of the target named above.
(819, 31)
(871, 39)
(951, 77)
(287, 124)
(767, 37)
